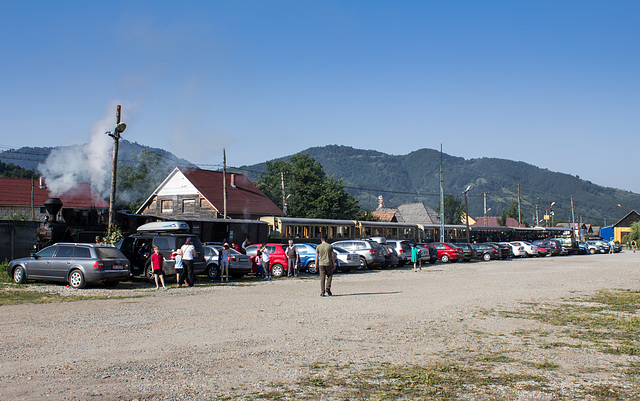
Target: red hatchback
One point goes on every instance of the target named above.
(448, 252)
(277, 257)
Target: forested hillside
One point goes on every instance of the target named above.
(415, 177)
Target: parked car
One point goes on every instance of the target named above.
(582, 248)
(529, 248)
(504, 249)
(597, 246)
(166, 235)
(75, 263)
(370, 252)
(448, 252)
(403, 249)
(517, 250)
(346, 260)
(239, 264)
(277, 257)
(547, 247)
(486, 251)
(468, 250)
(390, 256)
(307, 253)
(428, 252)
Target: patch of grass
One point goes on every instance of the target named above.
(544, 365)
(15, 297)
(4, 277)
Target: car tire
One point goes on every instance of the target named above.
(486, 257)
(148, 272)
(311, 268)
(444, 258)
(363, 264)
(19, 276)
(76, 279)
(592, 251)
(277, 270)
(213, 271)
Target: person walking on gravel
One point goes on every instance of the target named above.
(325, 258)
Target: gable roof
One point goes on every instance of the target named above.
(386, 214)
(493, 222)
(242, 197)
(628, 219)
(418, 213)
(17, 192)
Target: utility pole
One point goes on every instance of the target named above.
(441, 198)
(224, 183)
(284, 196)
(537, 217)
(573, 216)
(485, 208)
(119, 129)
(466, 211)
(519, 213)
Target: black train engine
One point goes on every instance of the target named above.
(76, 225)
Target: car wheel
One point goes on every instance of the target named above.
(444, 258)
(311, 268)
(76, 279)
(213, 272)
(148, 272)
(19, 277)
(592, 251)
(486, 256)
(277, 270)
(363, 263)
(111, 283)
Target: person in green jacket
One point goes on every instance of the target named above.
(415, 257)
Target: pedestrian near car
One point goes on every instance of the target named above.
(178, 267)
(612, 246)
(188, 254)
(257, 260)
(266, 264)
(415, 257)
(293, 259)
(224, 263)
(157, 263)
(325, 258)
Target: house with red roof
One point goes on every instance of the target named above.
(25, 197)
(494, 222)
(190, 193)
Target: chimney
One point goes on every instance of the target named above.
(233, 180)
(53, 206)
(42, 183)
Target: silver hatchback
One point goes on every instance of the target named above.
(75, 263)
(371, 252)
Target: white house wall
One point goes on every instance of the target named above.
(178, 185)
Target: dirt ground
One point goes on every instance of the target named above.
(391, 334)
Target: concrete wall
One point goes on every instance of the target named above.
(17, 238)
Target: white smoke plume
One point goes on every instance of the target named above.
(67, 166)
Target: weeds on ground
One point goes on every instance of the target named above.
(15, 297)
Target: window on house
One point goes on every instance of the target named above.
(188, 206)
(167, 206)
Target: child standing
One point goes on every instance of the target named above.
(179, 266)
(224, 263)
(266, 266)
(157, 262)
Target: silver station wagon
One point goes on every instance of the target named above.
(75, 263)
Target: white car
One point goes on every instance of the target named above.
(516, 249)
(529, 248)
(346, 260)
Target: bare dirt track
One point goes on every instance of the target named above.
(281, 340)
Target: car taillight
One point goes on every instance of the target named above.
(173, 256)
(232, 258)
(98, 264)
(372, 251)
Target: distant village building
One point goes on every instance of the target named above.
(414, 213)
(622, 227)
(495, 222)
(23, 198)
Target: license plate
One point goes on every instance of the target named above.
(117, 267)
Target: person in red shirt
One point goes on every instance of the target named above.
(157, 262)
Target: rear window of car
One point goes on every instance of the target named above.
(161, 242)
(108, 252)
(375, 245)
(83, 252)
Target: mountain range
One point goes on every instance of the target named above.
(415, 177)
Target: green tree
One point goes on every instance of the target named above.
(634, 235)
(310, 193)
(503, 218)
(11, 170)
(453, 209)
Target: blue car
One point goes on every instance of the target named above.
(307, 253)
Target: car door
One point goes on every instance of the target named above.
(61, 262)
(39, 266)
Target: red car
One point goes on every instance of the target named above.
(277, 257)
(448, 252)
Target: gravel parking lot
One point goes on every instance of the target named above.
(281, 340)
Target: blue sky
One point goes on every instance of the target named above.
(552, 83)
